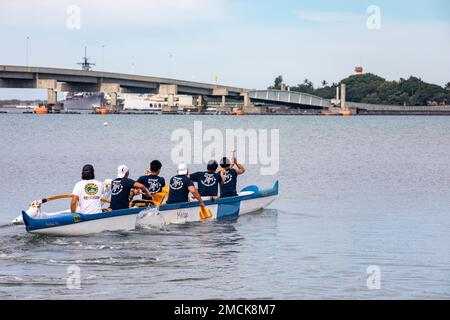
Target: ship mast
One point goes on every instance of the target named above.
(86, 65)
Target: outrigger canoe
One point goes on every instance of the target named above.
(249, 199)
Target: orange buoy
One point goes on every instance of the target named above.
(239, 112)
(40, 110)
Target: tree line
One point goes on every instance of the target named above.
(370, 88)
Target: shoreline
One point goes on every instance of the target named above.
(365, 113)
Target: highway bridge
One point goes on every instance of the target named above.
(68, 80)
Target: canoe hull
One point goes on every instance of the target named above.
(250, 199)
(119, 223)
(68, 224)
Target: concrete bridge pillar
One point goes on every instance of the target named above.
(169, 90)
(223, 103)
(113, 101)
(343, 93)
(246, 96)
(112, 89)
(51, 96)
(200, 103)
(171, 100)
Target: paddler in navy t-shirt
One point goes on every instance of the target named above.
(208, 181)
(229, 176)
(181, 185)
(121, 189)
(152, 181)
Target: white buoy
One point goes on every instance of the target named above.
(105, 124)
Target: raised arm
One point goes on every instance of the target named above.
(240, 168)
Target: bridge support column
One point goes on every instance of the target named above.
(52, 101)
(169, 90)
(200, 103)
(246, 99)
(51, 96)
(223, 103)
(343, 94)
(171, 100)
(221, 92)
(112, 89)
(114, 106)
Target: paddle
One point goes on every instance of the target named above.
(63, 196)
(205, 213)
(159, 197)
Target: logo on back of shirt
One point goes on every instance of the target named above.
(91, 189)
(227, 177)
(209, 179)
(116, 188)
(153, 185)
(176, 183)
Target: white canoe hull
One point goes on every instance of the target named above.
(119, 223)
(250, 199)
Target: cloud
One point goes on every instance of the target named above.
(328, 17)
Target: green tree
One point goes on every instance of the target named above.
(277, 83)
(370, 88)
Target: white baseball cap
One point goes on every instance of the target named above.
(182, 168)
(122, 171)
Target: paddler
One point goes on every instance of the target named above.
(229, 176)
(181, 185)
(152, 181)
(87, 193)
(122, 189)
(208, 181)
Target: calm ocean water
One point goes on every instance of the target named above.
(354, 192)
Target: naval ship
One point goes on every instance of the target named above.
(84, 101)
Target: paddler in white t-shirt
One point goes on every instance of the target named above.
(87, 193)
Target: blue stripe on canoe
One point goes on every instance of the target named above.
(228, 210)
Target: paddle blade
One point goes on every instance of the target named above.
(205, 213)
(158, 198)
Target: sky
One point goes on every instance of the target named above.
(244, 43)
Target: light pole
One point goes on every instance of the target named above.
(28, 38)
